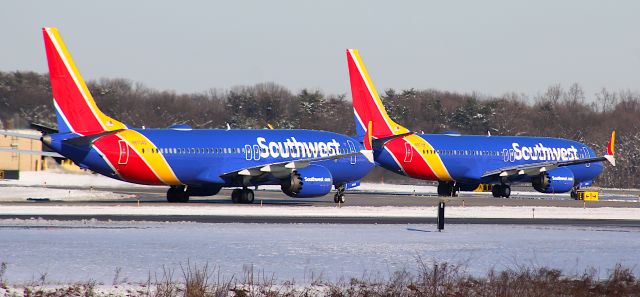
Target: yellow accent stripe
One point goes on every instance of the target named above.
(433, 160)
(395, 128)
(107, 123)
(156, 161)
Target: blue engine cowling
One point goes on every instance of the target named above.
(559, 180)
(311, 181)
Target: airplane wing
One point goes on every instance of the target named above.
(27, 152)
(536, 168)
(90, 139)
(291, 165)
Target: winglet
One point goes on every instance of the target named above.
(610, 156)
(367, 137)
(611, 145)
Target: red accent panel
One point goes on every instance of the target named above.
(417, 167)
(363, 103)
(66, 93)
(135, 170)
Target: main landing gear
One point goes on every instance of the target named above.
(339, 196)
(243, 195)
(177, 194)
(502, 190)
(447, 189)
(574, 193)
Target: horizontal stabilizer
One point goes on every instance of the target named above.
(380, 142)
(20, 135)
(42, 128)
(27, 152)
(89, 139)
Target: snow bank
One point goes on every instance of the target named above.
(601, 213)
(15, 193)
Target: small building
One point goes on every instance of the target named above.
(21, 162)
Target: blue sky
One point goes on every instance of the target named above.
(490, 47)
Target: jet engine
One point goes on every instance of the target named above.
(311, 181)
(559, 180)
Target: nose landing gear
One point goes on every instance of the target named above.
(177, 194)
(447, 189)
(502, 190)
(243, 195)
(339, 196)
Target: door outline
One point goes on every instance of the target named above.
(352, 149)
(248, 152)
(408, 152)
(587, 155)
(256, 152)
(123, 156)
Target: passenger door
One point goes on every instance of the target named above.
(123, 157)
(352, 149)
(408, 152)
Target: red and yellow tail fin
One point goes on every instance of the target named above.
(75, 108)
(367, 106)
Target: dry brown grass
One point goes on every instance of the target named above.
(429, 279)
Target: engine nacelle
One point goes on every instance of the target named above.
(559, 180)
(311, 181)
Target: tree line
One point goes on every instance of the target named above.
(559, 111)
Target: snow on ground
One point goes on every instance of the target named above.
(14, 193)
(601, 213)
(77, 251)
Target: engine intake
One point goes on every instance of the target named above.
(311, 181)
(559, 180)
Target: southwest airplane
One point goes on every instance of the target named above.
(194, 162)
(458, 162)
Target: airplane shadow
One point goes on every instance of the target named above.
(419, 230)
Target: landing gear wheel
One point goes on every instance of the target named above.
(446, 189)
(177, 195)
(235, 196)
(247, 196)
(339, 196)
(501, 191)
(496, 191)
(574, 194)
(506, 191)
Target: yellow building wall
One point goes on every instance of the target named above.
(22, 162)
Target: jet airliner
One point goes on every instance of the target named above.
(461, 162)
(194, 162)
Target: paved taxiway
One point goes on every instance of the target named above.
(609, 198)
(156, 197)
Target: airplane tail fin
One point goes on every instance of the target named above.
(367, 106)
(76, 110)
(610, 156)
